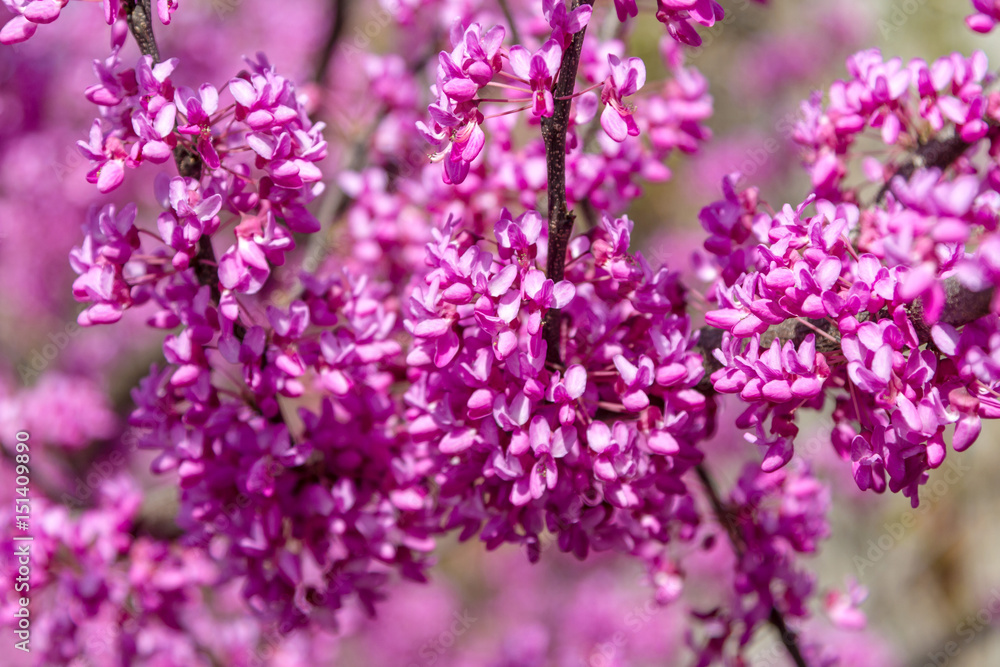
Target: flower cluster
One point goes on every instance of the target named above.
(455, 117)
(357, 483)
(679, 16)
(147, 119)
(424, 366)
(869, 289)
(903, 102)
(774, 517)
(29, 14)
(594, 449)
(671, 117)
(879, 299)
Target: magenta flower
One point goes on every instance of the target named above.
(108, 155)
(625, 79)
(197, 111)
(871, 355)
(110, 237)
(565, 23)
(260, 242)
(156, 141)
(165, 9)
(189, 216)
(635, 379)
(482, 53)
(625, 9)
(614, 448)
(29, 14)
(987, 15)
(111, 10)
(259, 102)
(457, 134)
(843, 608)
(868, 462)
(678, 14)
(546, 447)
(539, 70)
(565, 391)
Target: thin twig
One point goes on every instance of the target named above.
(139, 15)
(561, 219)
(337, 202)
(514, 34)
(938, 153)
(189, 163)
(725, 516)
(337, 24)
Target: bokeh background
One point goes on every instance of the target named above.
(931, 573)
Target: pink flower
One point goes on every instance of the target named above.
(30, 14)
(626, 78)
(198, 110)
(164, 9)
(635, 379)
(625, 9)
(987, 15)
(564, 22)
(539, 70)
(678, 14)
(843, 607)
(108, 154)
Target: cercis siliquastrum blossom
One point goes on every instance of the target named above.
(29, 14)
(671, 116)
(264, 196)
(889, 299)
(773, 517)
(322, 441)
(594, 452)
(986, 17)
(359, 482)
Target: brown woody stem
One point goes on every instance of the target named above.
(726, 518)
(561, 219)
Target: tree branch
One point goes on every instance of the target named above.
(514, 34)
(788, 637)
(337, 24)
(139, 15)
(962, 305)
(935, 153)
(561, 219)
(189, 163)
(158, 518)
